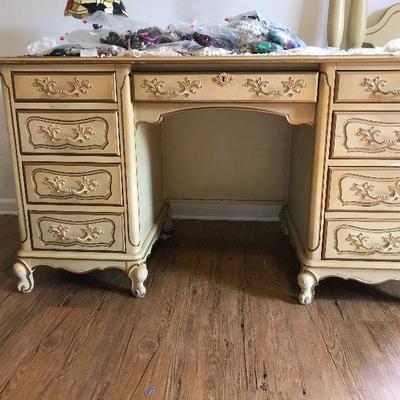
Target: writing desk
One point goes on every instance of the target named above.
(89, 188)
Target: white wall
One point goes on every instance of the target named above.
(23, 21)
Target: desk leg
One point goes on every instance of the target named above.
(25, 276)
(307, 282)
(138, 274)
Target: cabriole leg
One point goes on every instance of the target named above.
(138, 274)
(24, 275)
(307, 282)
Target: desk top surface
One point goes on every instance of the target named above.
(209, 62)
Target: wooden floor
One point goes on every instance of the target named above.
(220, 321)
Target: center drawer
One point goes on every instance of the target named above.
(73, 184)
(218, 87)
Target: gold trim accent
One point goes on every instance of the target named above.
(376, 86)
(48, 87)
(223, 79)
(157, 87)
(260, 87)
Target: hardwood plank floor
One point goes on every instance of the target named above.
(220, 321)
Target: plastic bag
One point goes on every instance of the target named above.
(222, 37)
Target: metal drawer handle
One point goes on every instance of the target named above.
(366, 191)
(359, 242)
(49, 87)
(376, 86)
(157, 87)
(58, 185)
(289, 87)
(61, 232)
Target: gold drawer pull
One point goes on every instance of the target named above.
(77, 87)
(366, 191)
(376, 87)
(61, 232)
(58, 185)
(157, 87)
(289, 87)
(81, 134)
(360, 243)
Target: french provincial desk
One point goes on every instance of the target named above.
(89, 188)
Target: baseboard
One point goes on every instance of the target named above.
(225, 210)
(8, 207)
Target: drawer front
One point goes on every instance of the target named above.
(79, 232)
(68, 133)
(73, 184)
(368, 87)
(372, 239)
(366, 135)
(364, 189)
(272, 87)
(64, 87)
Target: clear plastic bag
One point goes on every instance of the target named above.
(218, 36)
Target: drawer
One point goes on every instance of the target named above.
(73, 184)
(94, 133)
(271, 87)
(368, 87)
(368, 239)
(95, 87)
(364, 189)
(79, 232)
(366, 135)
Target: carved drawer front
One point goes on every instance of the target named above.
(73, 184)
(370, 239)
(69, 133)
(363, 189)
(271, 87)
(366, 135)
(77, 86)
(80, 232)
(368, 87)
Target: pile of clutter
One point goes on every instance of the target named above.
(248, 33)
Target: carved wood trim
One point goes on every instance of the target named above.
(372, 136)
(387, 241)
(59, 140)
(85, 185)
(366, 190)
(90, 237)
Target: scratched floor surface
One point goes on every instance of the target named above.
(220, 321)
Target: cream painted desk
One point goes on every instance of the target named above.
(89, 188)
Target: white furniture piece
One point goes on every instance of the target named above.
(89, 183)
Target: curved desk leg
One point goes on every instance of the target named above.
(138, 274)
(307, 282)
